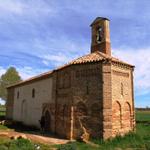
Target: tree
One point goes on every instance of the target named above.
(10, 77)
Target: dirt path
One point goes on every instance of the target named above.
(34, 137)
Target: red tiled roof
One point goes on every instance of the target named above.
(95, 57)
(92, 57)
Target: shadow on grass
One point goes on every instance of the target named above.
(20, 127)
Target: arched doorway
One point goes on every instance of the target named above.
(24, 111)
(47, 121)
(127, 115)
(117, 119)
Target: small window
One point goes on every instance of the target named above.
(122, 89)
(33, 93)
(18, 95)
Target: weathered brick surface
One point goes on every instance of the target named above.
(62, 95)
(107, 100)
(104, 45)
(122, 100)
(87, 100)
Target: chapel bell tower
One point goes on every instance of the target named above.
(101, 36)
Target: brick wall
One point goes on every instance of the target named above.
(123, 118)
(107, 100)
(87, 99)
(62, 95)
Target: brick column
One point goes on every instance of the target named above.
(107, 100)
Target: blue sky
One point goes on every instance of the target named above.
(39, 35)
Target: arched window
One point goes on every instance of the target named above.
(33, 93)
(117, 116)
(122, 89)
(18, 95)
(127, 115)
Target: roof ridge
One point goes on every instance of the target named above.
(103, 55)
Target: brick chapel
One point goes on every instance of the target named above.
(91, 96)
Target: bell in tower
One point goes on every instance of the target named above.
(101, 36)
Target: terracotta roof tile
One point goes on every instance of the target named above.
(95, 57)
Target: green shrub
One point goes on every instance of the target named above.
(69, 146)
(3, 147)
(19, 144)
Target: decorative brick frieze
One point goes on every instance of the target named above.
(118, 73)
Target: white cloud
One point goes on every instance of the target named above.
(26, 8)
(45, 62)
(141, 59)
(57, 60)
(2, 70)
(11, 6)
(27, 72)
(2, 101)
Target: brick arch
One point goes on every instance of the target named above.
(117, 116)
(127, 115)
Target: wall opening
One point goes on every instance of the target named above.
(117, 116)
(127, 115)
(24, 111)
(33, 93)
(47, 121)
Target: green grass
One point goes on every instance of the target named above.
(21, 144)
(140, 139)
(143, 116)
(136, 141)
(2, 127)
(2, 107)
(2, 111)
